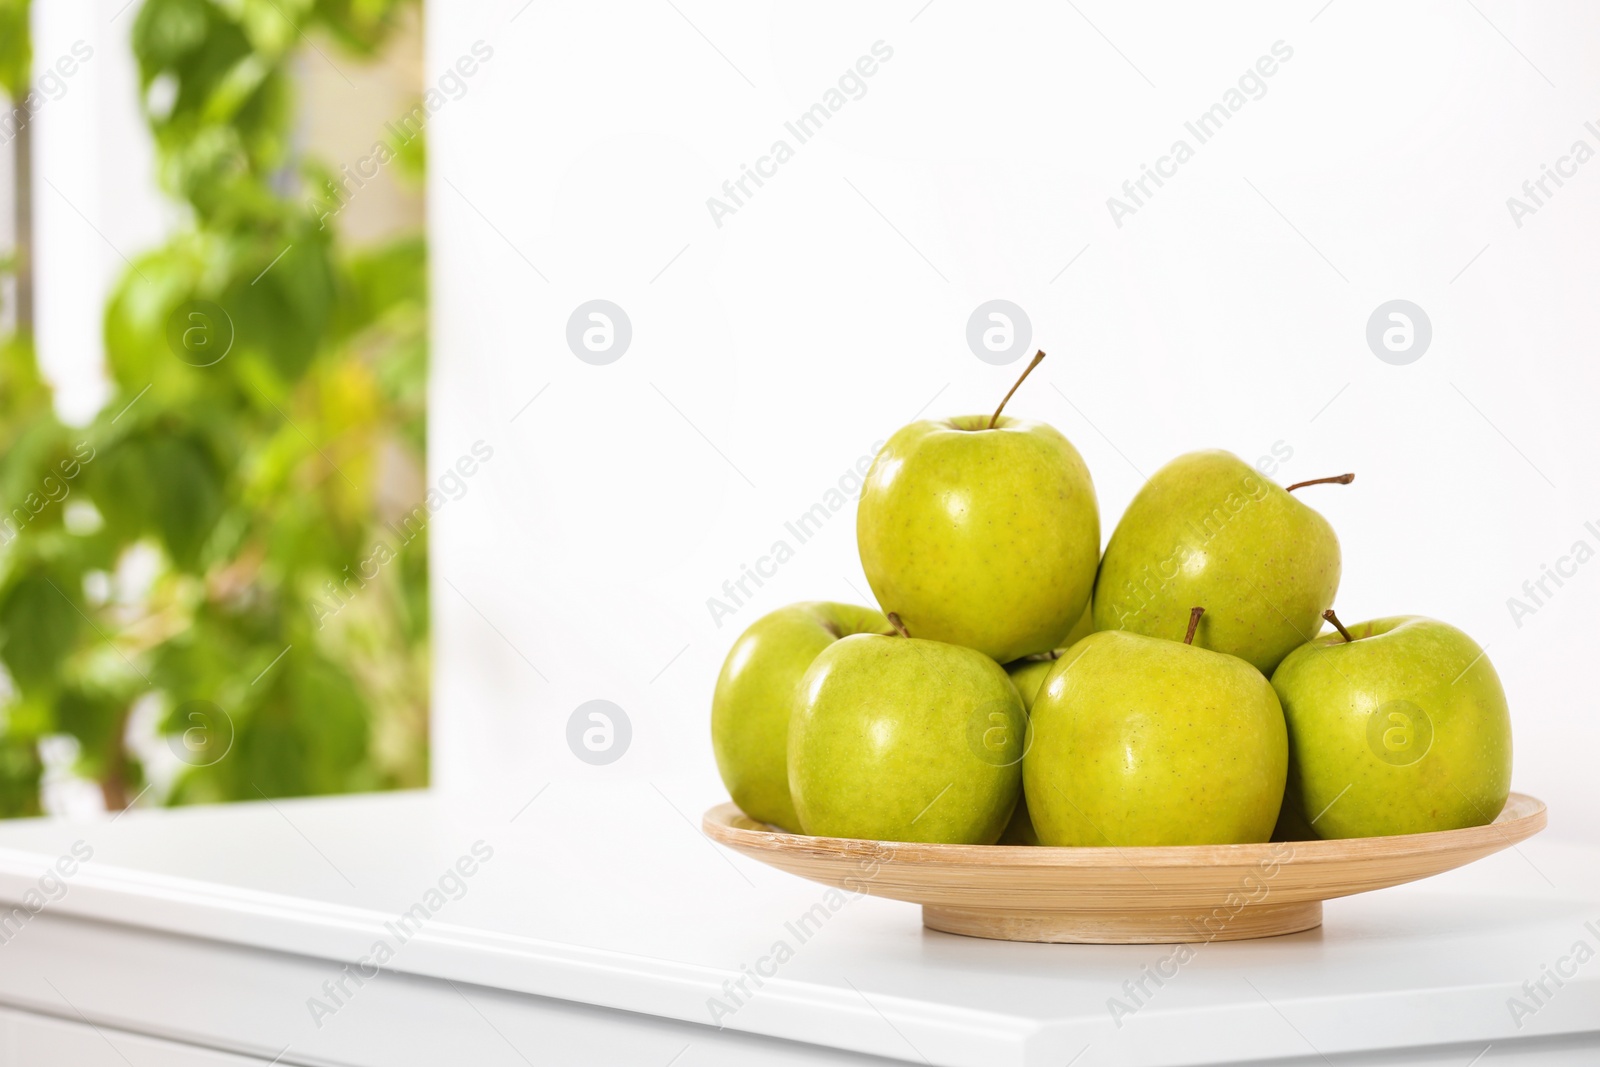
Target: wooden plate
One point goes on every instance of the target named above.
(1165, 895)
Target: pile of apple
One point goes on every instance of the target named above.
(1020, 688)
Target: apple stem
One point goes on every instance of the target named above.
(1194, 624)
(1037, 356)
(899, 627)
(1337, 479)
(1337, 625)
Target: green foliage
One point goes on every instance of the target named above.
(16, 53)
(192, 547)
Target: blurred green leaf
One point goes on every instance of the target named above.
(222, 489)
(20, 771)
(283, 311)
(95, 718)
(38, 623)
(187, 497)
(16, 51)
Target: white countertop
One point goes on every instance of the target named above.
(609, 895)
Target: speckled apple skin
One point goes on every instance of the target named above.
(982, 538)
(1208, 530)
(1142, 741)
(1341, 783)
(1028, 676)
(884, 743)
(756, 693)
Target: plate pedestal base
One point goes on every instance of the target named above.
(1155, 927)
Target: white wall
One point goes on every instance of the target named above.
(96, 203)
(773, 351)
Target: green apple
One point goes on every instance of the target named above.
(756, 693)
(902, 739)
(1209, 529)
(1145, 741)
(982, 531)
(1028, 675)
(1396, 726)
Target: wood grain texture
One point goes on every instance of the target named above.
(1123, 895)
(1153, 927)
